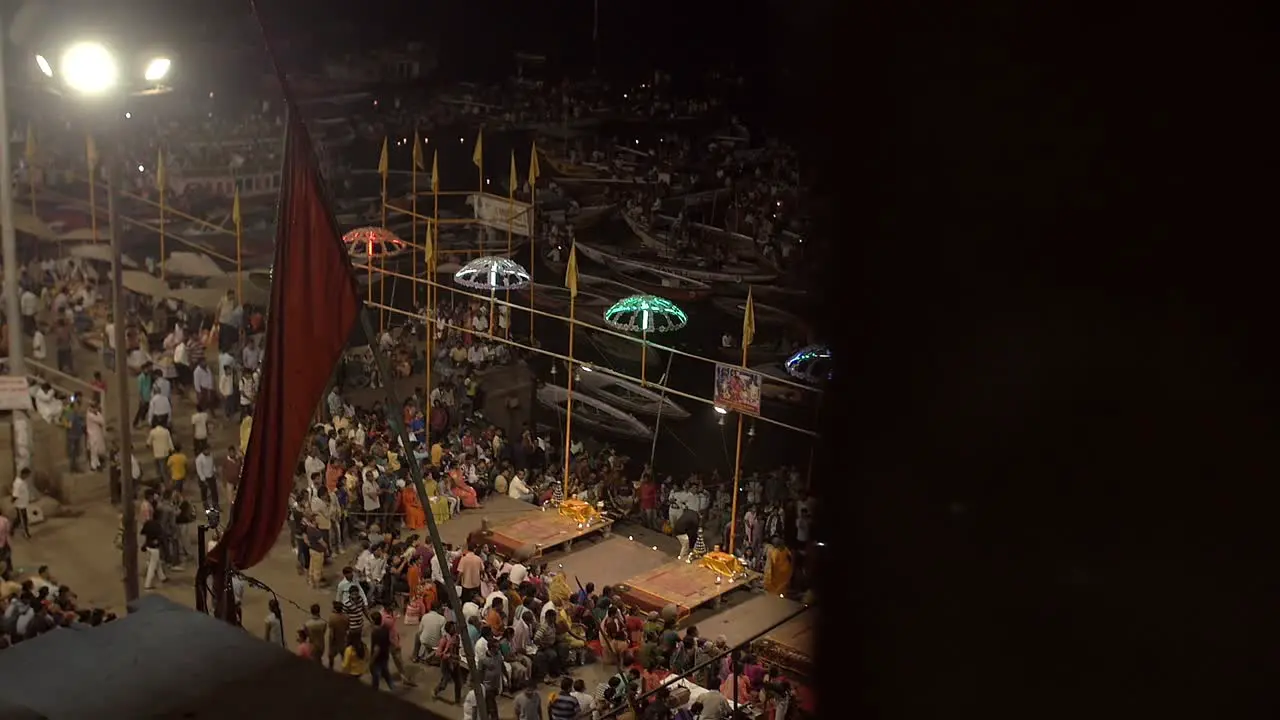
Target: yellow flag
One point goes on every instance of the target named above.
(477, 155)
(749, 321)
(571, 272)
(91, 152)
(418, 162)
(515, 179)
(235, 208)
(31, 144)
(534, 170)
(160, 171)
(435, 171)
(383, 161)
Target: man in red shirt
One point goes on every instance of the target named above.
(649, 502)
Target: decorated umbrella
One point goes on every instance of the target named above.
(492, 273)
(645, 314)
(364, 243)
(811, 364)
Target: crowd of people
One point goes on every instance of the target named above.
(33, 605)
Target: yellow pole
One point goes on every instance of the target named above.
(239, 221)
(91, 158)
(413, 188)
(160, 183)
(384, 166)
(568, 406)
(737, 470)
(511, 209)
(748, 335)
(433, 234)
(571, 282)
(533, 197)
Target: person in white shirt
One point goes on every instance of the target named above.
(586, 701)
(430, 628)
(518, 574)
(22, 500)
(180, 361)
(200, 428)
(369, 493)
(29, 305)
(518, 489)
(206, 476)
(202, 382)
(161, 442)
(677, 501)
(159, 409)
(39, 350)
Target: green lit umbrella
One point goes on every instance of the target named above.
(645, 314)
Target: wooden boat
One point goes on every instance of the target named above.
(584, 218)
(649, 237)
(692, 267)
(780, 386)
(607, 287)
(776, 294)
(592, 414)
(625, 350)
(556, 297)
(627, 395)
(562, 167)
(764, 314)
(653, 281)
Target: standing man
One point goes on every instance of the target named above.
(76, 431)
(231, 471)
(152, 539)
(62, 345)
(22, 500)
(160, 407)
(207, 477)
(470, 569)
(161, 442)
(202, 381)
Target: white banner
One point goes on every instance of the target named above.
(500, 213)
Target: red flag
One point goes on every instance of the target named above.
(313, 307)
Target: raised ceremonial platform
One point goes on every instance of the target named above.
(791, 645)
(535, 533)
(688, 585)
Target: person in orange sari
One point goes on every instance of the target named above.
(744, 685)
(462, 490)
(777, 568)
(415, 517)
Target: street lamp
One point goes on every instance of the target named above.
(92, 72)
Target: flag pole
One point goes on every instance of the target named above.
(433, 235)
(511, 219)
(31, 167)
(383, 168)
(748, 334)
(239, 221)
(571, 280)
(91, 158)
(534, 172)
(160, 183)
(413, 209)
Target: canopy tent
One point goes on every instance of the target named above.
(100, 252)
(145, 283)
(189, 264)
(82, 234)
(25, 222)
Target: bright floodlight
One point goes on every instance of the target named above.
(89, 68)
(44, 66)
(720, 410)
(157, 69)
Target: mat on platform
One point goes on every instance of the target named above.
(685, 585)
(539, 531)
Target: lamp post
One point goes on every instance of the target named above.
(9, 240)
(91, 72)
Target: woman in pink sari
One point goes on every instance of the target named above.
(461, 490)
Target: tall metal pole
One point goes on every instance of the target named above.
(8, 235)
(124, 426)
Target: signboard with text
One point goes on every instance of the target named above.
(15, 394)
(738, 389)
(501, 213)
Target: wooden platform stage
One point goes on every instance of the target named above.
(791, 645)
(540, 532)
(688, 586)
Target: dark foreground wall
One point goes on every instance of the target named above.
(166, 661)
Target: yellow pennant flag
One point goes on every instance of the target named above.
(91, 152)
(384, 165)
(571, 272)
(435, 171)
(418, 162)
(31, 144)
(534, 170)
(477, 155)
(749, 321)
(160, 171)
(515, 179)
(235, 208)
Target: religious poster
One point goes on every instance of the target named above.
(502, 213)
(738, 389)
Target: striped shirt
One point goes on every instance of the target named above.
(355, 610)
(564, 707)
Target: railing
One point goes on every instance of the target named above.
(66, 384)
